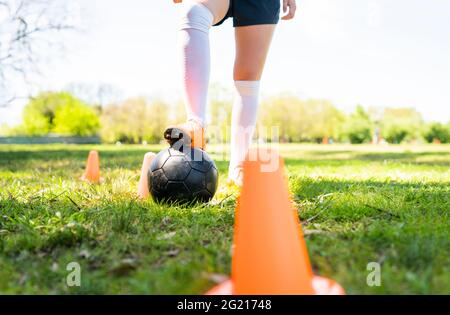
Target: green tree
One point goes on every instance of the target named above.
(299, 120)
(157, 120)
(39, 113)
(134, 121)
(58, 112)
(288, 114)
(178, 112)
(76, 119)
(401, 124)
(124, 122)
(358, 127)
(220, 110)
(437, 131)
(325, 120)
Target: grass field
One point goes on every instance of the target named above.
(358, 204)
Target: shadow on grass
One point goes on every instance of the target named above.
(77, 154)
(129, 157)
(127, 244)
(406, 157)
(43, 223)
(307, 188)
(121, 243)
(114, 159)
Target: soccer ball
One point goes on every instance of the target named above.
(182, 177)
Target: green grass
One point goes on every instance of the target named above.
(358, 204)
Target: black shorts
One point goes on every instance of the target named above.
(253, 12)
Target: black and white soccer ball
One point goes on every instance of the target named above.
(182, 177)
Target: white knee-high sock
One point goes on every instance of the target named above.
(196, 20)
(245, 109)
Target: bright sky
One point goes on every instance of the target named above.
(372, 52)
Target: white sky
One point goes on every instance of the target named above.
(372, 52)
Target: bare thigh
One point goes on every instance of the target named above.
(252, 46)
(219, 8)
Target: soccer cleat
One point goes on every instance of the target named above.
(190, 134)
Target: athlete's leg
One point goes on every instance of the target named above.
(252, 46)
(218, 8)
(197, 17)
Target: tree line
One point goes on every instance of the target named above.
(139, 120)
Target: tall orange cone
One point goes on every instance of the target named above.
(270, 254)
(92, 173)
(143, 191)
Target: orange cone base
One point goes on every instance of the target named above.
(321, 286)
(92, 181)
(92, 172)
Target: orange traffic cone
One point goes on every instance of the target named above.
(92, 173)
(143, 192)
(270, 254)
